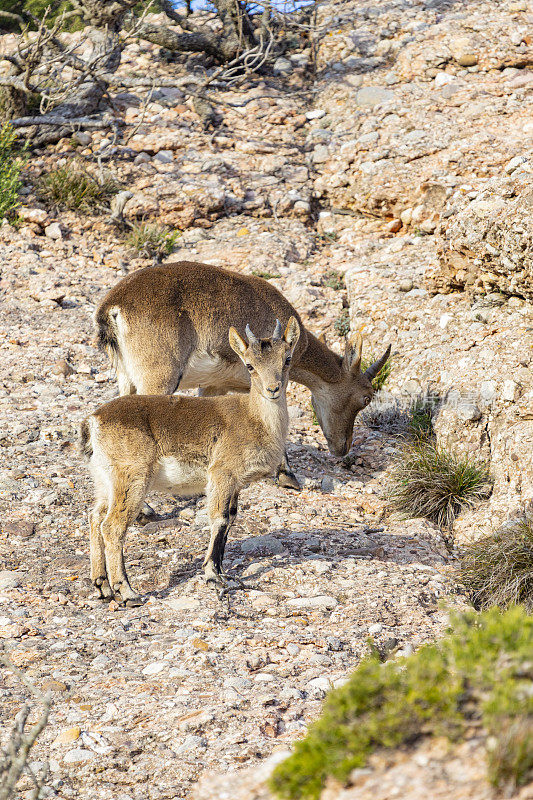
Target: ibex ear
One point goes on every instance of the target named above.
(236, 343)
(352, 354)
(292, 332)
(322, 338)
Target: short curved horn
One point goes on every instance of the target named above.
(251, 338)
(278, 332)
(357, 350)
(378, 365)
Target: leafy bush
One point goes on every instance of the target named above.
(10, 167)
(342, 323)
(432, 482)
(38, 7)
(73, 188)
(151, 240)
(497, 570)
(334, 280)
(479, 674)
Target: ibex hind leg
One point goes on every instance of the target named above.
(286, 476)
(97, 553)
(127, 497)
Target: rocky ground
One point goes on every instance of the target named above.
(381, 167)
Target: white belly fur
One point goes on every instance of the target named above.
(204, 369)
(179, 477)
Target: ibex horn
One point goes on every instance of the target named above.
(278, 332)
(357, 350)
(251, 338)
(374, 368)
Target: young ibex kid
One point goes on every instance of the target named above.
(186, 445)
(166, 327)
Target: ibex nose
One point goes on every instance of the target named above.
(274, 391)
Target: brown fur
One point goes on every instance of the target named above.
(185, 445)
(166, 327)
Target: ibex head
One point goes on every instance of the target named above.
(267, 360)
(337, 404)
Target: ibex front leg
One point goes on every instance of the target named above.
(222, 508)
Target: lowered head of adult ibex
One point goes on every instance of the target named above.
(337, 403)
(165, 328)
(186, 445)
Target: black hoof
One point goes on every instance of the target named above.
(133, 602)
(104, 589)
(146, 515)
(289, 481)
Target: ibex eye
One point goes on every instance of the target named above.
(249, 368)
(288, 360)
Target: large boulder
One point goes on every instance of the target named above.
(487, 240)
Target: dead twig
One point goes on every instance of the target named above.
(14, 758)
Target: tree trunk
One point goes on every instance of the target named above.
(237, 34)
(12, 103)
(200, 42)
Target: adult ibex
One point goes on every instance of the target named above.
(166, 327)
(186, 445)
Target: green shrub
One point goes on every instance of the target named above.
(382, 376)
(342, 323)
(497, 570)
(10, 166)
(421, 418)
(38, 7)
(151, 240)
(479, 674)
(510, 755)
(73, 188)
(267, 276)
(432, 482)
(334, 280)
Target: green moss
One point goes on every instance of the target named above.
(475, 675)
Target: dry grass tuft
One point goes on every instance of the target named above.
(152, 240)
(497, 570)
(73, 188)
(438, 484)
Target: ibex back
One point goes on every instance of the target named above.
(166, 327)
(186, 445)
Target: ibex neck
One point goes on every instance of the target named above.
(318, 365)
(273, 414)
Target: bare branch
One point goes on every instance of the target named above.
(14, 759)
